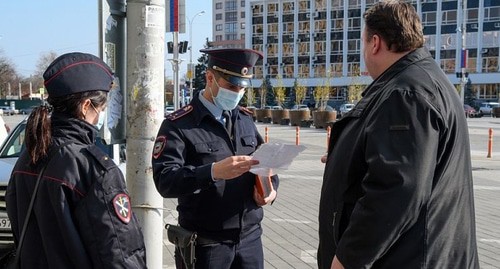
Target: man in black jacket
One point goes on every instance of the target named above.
(397, 190)
(202, 158)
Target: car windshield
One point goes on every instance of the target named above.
(15, 143)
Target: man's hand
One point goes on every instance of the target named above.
(232, 167)
(336, 264)
(324, 158)
(262, 201)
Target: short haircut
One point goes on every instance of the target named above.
(397, 23)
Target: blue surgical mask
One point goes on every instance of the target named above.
(226, 99)
(102, 116)
(100, 122)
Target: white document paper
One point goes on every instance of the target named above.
(273, 157)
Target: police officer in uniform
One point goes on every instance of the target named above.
(82, 216)
(201, 156)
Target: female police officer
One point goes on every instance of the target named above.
(81, 216)
(206, 166)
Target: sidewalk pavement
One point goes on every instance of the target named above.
(290, 225)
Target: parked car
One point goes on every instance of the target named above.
(169, 109)
(344, 108)
(273, 107)
(470, 112)
(300, 107)
(487, 107)
(7, 110)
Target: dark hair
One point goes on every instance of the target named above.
(397, 23)
(38, 127)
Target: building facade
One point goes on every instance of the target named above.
(228, 28)
(319, 41)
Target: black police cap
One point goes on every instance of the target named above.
(77, 72)
(236, 65)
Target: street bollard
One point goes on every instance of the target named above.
(490, 142)
(266, 136)
(297, 135)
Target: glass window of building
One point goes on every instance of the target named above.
(218, 27)
(218, 17)
(231, 5)
(218, 5)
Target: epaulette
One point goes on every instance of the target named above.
(246, 111)
(179, 113)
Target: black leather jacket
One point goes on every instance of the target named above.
(82, 216)
(397, 189)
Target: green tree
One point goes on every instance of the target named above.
(279, 91)
(200, 69)
(299, 92)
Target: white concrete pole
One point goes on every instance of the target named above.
(191, 67)
(145, 87)
(463, 70)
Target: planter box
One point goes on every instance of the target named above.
(253, 109)
(261, 114)
(285, 122)
(306, 123)
(278, 114)
(297, 116)
(495, 112)
(323, 119)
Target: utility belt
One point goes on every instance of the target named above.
(186, 242)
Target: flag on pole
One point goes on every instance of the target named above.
(175, 16)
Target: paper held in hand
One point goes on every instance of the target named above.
(274, 157)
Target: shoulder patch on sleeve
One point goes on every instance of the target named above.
(179, 113)
(159, 146)
(246, 111)
(101, 157)
(123, 210)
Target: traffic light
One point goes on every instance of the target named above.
(170, 47)
(183, 45)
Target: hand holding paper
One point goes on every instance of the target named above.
(273, 157)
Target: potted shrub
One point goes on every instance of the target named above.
(280, 115)
(250, 101)
(321, 117)
(297, 113)
(263, 114)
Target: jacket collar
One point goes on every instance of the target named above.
(64, 126)
(400, 65)
(200, 111)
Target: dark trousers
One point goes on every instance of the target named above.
(247, 254)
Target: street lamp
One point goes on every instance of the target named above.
(191, 69)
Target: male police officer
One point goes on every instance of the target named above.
(201, 156)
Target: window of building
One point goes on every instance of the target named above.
(242, 36)
(218, 27)
(490, 64)
(218, 38)
(242, 14)
(449, 17)
(303, 48)
(231, 37)
(472, 15)
(218, 5)
(231, 27)
(272, 8)
(491, 13)
(304, 5)
(288, 7)
(242, 25)
(487, 91)
(353, 69)
(319, 70)
(288, 71)
(287, 49)
(257, 10)
(448, 65)
(320, 47)
(303, 70)
(304, 27)
(218, 17)
(354, 3)
(320, 26)
(231, 16)
(257, 29)
(288, 27)
(242, 3)
(354, 23)
(272, 28)
(320, 4)
(337, 4)
(429, 18)
(231, 5)
(353, 45)
(337, 46)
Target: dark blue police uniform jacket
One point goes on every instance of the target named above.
(188, 142)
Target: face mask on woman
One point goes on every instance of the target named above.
(100, 121)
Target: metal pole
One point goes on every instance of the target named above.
(175, 67)
(463, 79)
(145, 87)
(191, 69)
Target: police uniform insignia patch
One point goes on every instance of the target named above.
(159, 146)
(180, 113)
(123, 210)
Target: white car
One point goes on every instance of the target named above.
(169, 109)
(487, 108)
(300, 107)
(344, 108)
